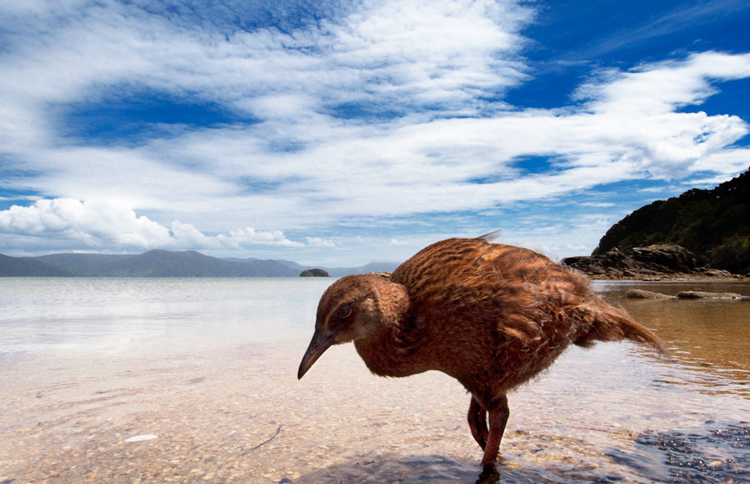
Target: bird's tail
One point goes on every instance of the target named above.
(602, 322)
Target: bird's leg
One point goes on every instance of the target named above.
(498, 419)
(478, 422)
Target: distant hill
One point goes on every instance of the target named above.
(24, 266)
(154, 263)
(82, 264)
(713, 224)
(159, 263)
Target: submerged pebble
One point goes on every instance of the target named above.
(140, 438)
(717, 455)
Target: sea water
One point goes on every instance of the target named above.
(150, 314)
(194, 380)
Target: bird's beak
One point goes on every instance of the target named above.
(319, 344)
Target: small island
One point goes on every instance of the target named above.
(314, 273)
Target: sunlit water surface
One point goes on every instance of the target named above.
(208, 367)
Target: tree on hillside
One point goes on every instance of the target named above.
(713, 224)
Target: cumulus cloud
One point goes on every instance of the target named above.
(100, 224)
(92, 223)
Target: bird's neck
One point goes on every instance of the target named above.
(394, 349)
(389, 346)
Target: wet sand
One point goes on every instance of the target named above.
(236, 413)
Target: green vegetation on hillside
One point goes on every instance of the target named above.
(713, 224)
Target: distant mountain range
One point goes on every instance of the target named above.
(163, 263)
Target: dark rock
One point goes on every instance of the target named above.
(613, 262)
(665, 258)
(707, 272)
(641, 294)
(708, 295)
(657, 262)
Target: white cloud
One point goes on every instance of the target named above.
(726, 163)
(249, 235)
(189, 237)
(91, 223)
(426, 51)
(661, 87)
(399, 242)
(318, 242)
(100, 224)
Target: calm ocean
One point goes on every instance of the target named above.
(133, 314)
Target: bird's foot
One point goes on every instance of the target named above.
(489, 475)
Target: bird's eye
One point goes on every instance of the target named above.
(344, 312)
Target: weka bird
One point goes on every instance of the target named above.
(490, 315)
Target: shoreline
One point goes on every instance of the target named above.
(689, 278)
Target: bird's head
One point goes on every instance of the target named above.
(353, 308)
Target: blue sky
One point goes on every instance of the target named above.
(342, 132)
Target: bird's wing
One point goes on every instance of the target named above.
(514, 289)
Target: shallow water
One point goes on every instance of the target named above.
(709, 338)
(208, 366)
(143, 314)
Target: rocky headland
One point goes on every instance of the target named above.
(653, 263)
(714, 225)
(701, 234)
